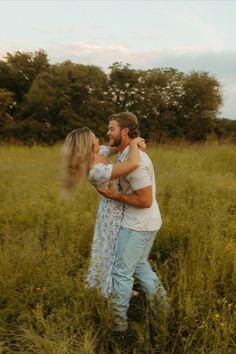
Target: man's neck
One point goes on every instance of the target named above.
(124, 144)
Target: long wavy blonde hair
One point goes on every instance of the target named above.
(77, 155)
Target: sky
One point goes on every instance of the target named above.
(187, 35)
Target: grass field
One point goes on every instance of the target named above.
(45, 244)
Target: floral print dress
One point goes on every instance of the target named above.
(107, 225)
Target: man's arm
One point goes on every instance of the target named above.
(141, 198)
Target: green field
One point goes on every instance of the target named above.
(45, 244)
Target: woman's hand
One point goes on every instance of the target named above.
(140, 142)
(142, 145)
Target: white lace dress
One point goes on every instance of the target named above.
(108, 220)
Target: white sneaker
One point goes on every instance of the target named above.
(134, 293)
(121, 327)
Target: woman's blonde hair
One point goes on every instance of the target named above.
(77, 154)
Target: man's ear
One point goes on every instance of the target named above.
(125, 131)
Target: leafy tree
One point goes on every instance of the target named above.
(18, 70)
(43, 102)
(163, 89)
(225, 129)
(6, 104)
(201, 103)
(123, 87)
(67, 96)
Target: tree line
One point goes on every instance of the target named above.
(41, 102)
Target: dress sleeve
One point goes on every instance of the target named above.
(104, 150)
(100, 175)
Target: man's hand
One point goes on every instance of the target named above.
(141, 198)
(107, 193)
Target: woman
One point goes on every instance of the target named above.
(83, 156)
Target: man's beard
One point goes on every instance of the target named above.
(115, 141)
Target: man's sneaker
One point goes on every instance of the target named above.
(121, 327)
(134, 293)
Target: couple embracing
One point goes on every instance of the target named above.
(128, 216)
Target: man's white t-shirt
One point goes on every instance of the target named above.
(140, 219)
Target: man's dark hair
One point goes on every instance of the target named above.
(127, 120)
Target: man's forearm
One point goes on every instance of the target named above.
(131, 199)
(140, 198)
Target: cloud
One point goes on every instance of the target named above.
(184, 58)
(104, 38)
(60, 29)
(108, 51)
(14, 47)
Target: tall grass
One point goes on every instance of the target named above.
(45, 244)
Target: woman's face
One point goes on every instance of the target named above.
(96, 145)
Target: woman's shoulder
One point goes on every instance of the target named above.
(100, 160)
(100, 166)
(100, 173)
(104, 150)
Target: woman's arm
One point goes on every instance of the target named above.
(114, 150)
(125, 167)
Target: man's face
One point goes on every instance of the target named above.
(114, 133)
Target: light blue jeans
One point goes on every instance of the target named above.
(133, 248)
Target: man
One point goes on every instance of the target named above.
(139, 225)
